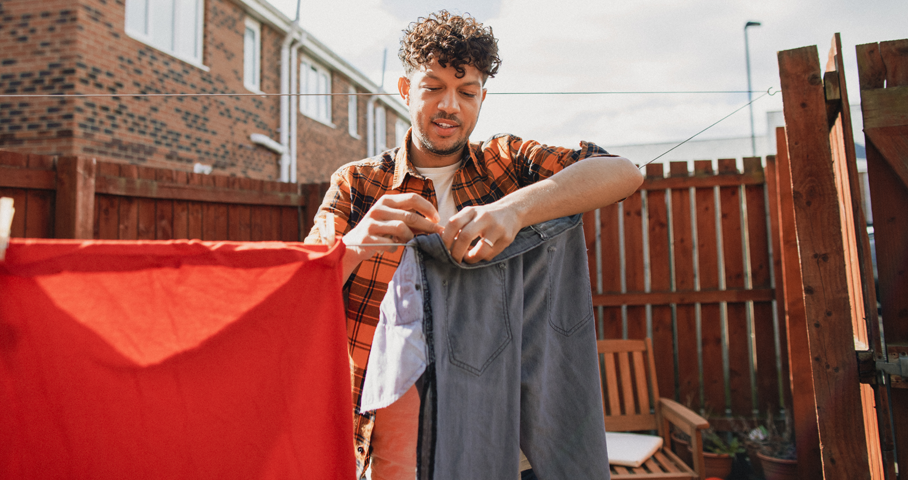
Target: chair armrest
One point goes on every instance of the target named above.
(670, 411)
(682, 417)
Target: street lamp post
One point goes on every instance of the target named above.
(753, 142)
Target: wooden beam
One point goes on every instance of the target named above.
(15, 177)
(892, 143)
(704, 181)
(75, 206)
(800, 371)
(885, 107)
(859, 261)
(683, 297)
(843, 446)
(147, 188)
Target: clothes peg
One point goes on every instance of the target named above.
(326, 229)
(6, 224)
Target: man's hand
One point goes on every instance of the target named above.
(392, 219)
(481, 232)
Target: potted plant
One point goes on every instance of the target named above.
(719, 453)
(681, 446)
(775, 448)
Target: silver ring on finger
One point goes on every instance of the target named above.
(488, 242)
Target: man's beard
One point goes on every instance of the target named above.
(435, 150)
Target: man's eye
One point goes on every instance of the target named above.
(469, 94)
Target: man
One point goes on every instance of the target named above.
(478, 196)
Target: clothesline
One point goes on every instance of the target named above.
(768, 91)
(367, 94)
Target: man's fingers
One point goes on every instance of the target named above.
(483, 250)
(455, 224)
(412, 202)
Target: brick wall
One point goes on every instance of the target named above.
(80, 46)
(37, 55)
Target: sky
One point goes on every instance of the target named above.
(617, 46)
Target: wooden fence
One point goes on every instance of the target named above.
(688, 261)
(77, 197)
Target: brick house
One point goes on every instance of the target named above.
(186, 46)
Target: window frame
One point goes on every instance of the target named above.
(147, 36)
(382, 127)
(353, 113)
(307, 63)
(256, 27)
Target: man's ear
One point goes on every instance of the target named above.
(403, 86)
(484, 92)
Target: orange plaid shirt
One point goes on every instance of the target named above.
(499, 166)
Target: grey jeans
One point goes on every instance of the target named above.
(512, 361)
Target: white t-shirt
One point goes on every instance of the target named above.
(442, 179)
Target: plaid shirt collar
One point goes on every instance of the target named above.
(403, 167)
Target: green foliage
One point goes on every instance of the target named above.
(774, 438)
(714, 443)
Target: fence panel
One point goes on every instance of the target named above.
(697, 279)
(29, 181)
(141, 203)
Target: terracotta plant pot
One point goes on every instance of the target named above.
(756, 466)
(779, 469)
(681, 448)
(718, 464)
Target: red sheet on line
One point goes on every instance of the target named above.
(173, 360)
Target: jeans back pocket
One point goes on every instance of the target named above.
(569, 296)
(478, 325)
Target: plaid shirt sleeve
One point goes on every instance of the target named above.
(514, 163)
(537, 161)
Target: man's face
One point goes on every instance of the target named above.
(443, 108)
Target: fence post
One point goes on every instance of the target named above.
(827, 303)
(75, 206)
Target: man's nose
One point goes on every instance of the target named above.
(449, 103)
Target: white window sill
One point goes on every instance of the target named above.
(355, 135)
(194, 62)
(253, 89)
(319, 120)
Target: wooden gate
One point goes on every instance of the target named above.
(847, 349)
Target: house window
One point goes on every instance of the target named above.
(400, 131)
(352, 116)
(316, 85)
(252, 55)
(381, 130)
(173, 26)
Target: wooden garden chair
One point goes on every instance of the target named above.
(631, 399)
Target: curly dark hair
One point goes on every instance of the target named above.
(450, 39)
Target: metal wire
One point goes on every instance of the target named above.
(334, 94)
(768, 92)
(667, 92)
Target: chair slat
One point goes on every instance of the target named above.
(642, 386)
(652, 466)
(630, 423)
(654, 387)
(612, 377)
(627, 389)
(666, 462)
